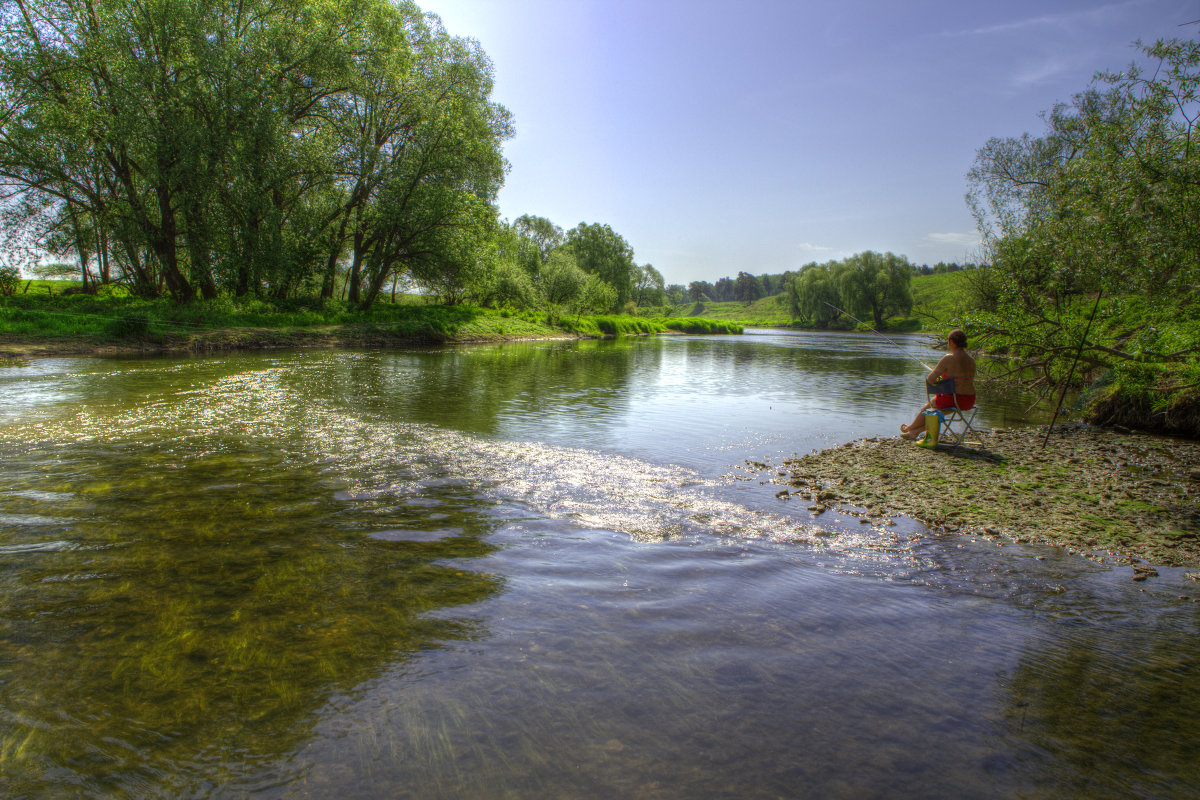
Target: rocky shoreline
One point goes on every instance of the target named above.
(1111, 496)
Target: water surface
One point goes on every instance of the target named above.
(541, 569)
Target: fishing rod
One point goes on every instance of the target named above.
(877, 333)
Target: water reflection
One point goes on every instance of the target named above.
(1090, 702)
(520, 570)
(199, 607)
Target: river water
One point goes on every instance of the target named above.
(541, 570)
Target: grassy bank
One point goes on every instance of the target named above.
(50, 321)
(768, 312)
(1108, 495)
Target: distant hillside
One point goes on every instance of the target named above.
(937, 299)
(940, 298)
(767, 312)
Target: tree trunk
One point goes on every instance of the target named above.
(355, 279)
(335, 249)
(102, 254)
(166, 247)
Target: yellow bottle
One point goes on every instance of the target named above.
(933, 426)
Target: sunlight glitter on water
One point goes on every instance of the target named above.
(521, 572)
(591, 489)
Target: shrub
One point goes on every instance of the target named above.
(112, 290)
(10, 280)
(134, 324)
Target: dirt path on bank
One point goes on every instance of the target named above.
(1114, 497)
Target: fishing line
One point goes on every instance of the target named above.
(877, 333)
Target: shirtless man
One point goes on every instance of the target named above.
(956, 364)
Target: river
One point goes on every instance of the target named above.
(541, 569)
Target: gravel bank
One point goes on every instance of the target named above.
(1114, 497)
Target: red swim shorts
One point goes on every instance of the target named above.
(944, 401)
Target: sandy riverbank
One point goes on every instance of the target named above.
(1114, 497)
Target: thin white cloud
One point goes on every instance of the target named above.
(1019, 25)
(816, 248)
(963, 239)
(1072, 20)
(1040, 71)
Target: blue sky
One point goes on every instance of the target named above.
(762, 135)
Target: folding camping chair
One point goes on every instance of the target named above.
(954, 423)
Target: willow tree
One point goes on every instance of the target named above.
(1093, 231)
(419, 159)
(238, 144)
(601, 251)
(812, 295)
(876, 285)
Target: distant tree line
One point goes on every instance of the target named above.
(535, 264)
(747, 288)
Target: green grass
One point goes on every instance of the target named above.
(113, 317)
(768, 312)
(940, 298)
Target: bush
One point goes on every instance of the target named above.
(10, 280)
(132, 325)
(700, 325)
(112, 290)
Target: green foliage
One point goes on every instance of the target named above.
(813, 296)
(649, 287)
(598, 295)
(1090, 231)
(112, 290)
(561, 282)
(101, 318)
(508, 285)
(10, 281)
(748, 287)
(193, 152)
(764, 313)
(876, 285)
(868, 285)
(56, 270)
(133, 325)
(700, 325)
(600, 251)
(940, 298)
(609, 325)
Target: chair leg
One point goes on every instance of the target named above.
(967, 427)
